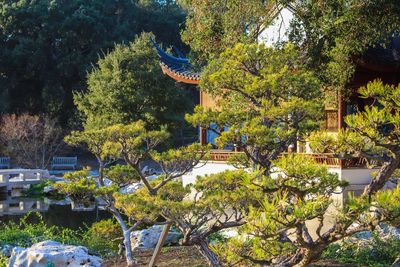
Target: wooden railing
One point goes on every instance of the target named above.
(333, 160)
(221, 155)
(327, 159)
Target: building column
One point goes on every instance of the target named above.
(203, 136)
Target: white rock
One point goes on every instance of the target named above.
(148, 238)
(49, 253)
(388, 231)
(132, 188)
(48, 189)
(107, 182)
(78, 206)
(151, 177)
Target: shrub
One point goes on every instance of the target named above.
(375, 252)
(103, 237)
(36, 190)
(25, 234)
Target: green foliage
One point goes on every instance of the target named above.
(331, 33)
(132, 141)
(103, 237)
(3, 261)
(147, 207)
(25, 234)
(47, 47)
(217, 238)
(212, 26)
(122, 174)
(79, 186)
(93, 140)
(388, 204)
(128, 85)
(266, 98)
(376, 252)
(36, 190)
(372, 133)
(300, 191)
(378, 124)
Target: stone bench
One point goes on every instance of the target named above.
(62, 163)
(4, 162)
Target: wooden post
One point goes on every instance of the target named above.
(159, 246)
(203, 136)
(341, 111)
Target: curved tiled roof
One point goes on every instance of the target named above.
(178, 68)
(382, 59)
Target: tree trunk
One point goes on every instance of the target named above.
(128, 249)
(127, 236)
(305, 256)
(211, 257)
(384, 174)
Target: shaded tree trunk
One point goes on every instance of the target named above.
(130, 261)
(384, 174)
(128, 248)
(305, 256)
(211, 257)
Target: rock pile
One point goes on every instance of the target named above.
(51, 253)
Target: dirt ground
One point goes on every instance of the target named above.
(190, 257)
(170, 257)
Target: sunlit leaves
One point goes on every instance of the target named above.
(373, 132)
(122, 174)
(267, 99)
(128, 85)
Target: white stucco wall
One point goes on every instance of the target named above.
(210, 167)
(357, 178)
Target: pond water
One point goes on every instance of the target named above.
(14, 208)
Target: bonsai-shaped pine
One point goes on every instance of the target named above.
(217, 203)
(267, 101)
(134, 144)
(372, 133)
(285, 219)
(270, 101)
(297, 219)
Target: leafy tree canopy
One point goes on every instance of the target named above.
(266, 97)
(213, 26)
(129, 85)
(332, 33)
(372, 133)
(47, 47)
(329, 33)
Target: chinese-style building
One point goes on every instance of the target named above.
(376, 63)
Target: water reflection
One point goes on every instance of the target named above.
(54, 212)
(20, 206)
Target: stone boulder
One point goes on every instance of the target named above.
(148, 238)
(6, 250)
(50, 189)
(130, 189)
(51, 253)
